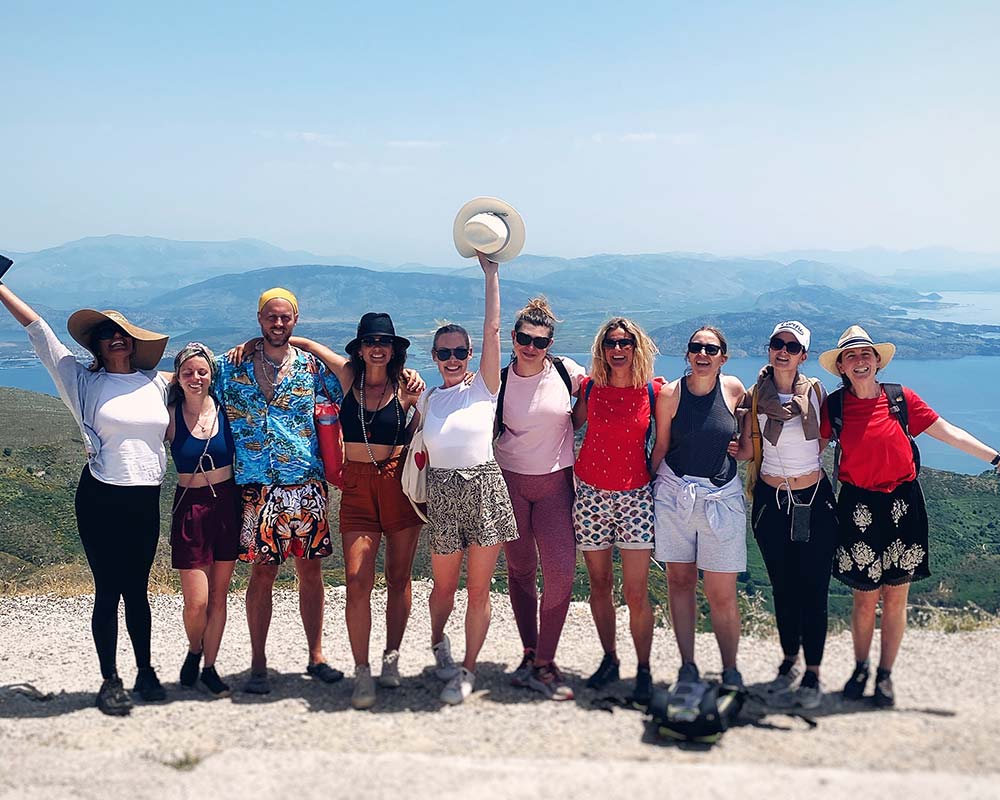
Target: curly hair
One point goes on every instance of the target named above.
(643, 358)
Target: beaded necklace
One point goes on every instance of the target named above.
(379, 465)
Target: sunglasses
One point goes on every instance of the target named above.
(777, 344)
(614, 344)
(108, 330)
(444, 353)
(703, 347)
(541, 342)
(373, 341)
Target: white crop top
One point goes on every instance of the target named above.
(794, 455)
(458, 425)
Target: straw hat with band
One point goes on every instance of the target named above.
(147, 350)
(491, 226)
(856, 336)
(375, 323)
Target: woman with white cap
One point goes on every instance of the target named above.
(794, 518)
(882, 545)
(119, 403)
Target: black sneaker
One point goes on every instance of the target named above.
(605, 674)
(854, 689)
(213, 684)
(643, 691)
(189, 671)
(113, 700)
(148, 686)
(885, 697)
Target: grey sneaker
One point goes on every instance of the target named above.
(459, 687)
(445, 667)
(731, 678)
(808, 696)
(390, 670)
(783, 681)
(363, 695)
(519, 677)
(550, 682)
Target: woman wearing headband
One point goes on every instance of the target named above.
(119, 403)
(205, 522)
(882, 543)
(794, 518)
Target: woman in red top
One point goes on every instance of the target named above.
(883, 523)
(614, 503)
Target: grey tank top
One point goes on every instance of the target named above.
(699, 435)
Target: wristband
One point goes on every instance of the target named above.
(996, 460)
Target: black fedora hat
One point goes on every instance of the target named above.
(375, 323)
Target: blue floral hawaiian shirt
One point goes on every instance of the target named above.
(276, 442)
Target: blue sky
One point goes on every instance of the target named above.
(613, 127)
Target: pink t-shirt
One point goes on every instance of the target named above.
(537, 416)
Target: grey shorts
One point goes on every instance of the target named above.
(469, 506)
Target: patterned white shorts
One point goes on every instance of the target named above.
(603, 518)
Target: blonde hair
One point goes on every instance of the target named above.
(643, 356)
(538, 312)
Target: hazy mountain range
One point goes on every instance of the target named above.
(208, 290)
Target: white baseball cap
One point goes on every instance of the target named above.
(796, 328)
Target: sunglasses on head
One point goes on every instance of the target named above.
(793, 347)
(540, 342)
(704, 347)
(614, 344)
(107, 330)
(372, 341)
(444, 353)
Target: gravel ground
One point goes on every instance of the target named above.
(305, 738)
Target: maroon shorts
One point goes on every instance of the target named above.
(373, 500)
(205, 528)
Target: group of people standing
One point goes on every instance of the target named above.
(656, 476)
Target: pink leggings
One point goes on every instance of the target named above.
(543, 508)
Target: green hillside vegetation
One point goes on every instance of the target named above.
(41, 455)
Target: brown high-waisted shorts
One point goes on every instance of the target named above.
(373, 500)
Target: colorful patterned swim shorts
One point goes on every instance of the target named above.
(284, 521)
(603, 518)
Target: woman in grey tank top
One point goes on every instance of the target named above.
(700, 510)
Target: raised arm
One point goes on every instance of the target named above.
(18, 309)
(961, 439)
(489, 362)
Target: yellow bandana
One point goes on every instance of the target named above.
(277, 293)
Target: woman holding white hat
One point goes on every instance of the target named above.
(794, 517)
(119, 403)
(882, 544)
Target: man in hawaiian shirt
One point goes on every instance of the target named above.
(269, 401)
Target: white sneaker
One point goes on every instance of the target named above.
(445, 667)
(390, 670)
(364, 687)
(459, 687)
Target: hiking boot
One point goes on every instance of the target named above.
(112, 699)
(213, 684)
(548, 680)
(520, 677)
(445, 667)
(688, 673)
(809, 694)
(257, 683)
(363, 695)
(459, 687)
(189, 671)
(324, 672)
(148, 686)
(788, 673)
(732, 679)
(854, 689)
(643, 691)
(606, 673)
(885, 697)
(390, 670)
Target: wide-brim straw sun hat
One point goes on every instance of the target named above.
(491, 226)
(149, 345)
(856, 336)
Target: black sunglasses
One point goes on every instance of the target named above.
(541, 342)
(793, 347)
(704, 347)
(444, 353)
(614, 344)
(371, 341)
(107, 330)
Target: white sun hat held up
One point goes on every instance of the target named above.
(492, 227)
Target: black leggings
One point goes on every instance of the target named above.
(799, 571)
(119, 526)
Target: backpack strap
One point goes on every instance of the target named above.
(753, 469)
(557, 362)
(897, 407)
(835, 412)
(498, 426)
(651, 428)
(590, 386)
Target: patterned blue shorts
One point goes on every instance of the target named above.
(603, 518)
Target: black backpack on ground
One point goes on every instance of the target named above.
(557, 362)
(897, 407)
(717, 711)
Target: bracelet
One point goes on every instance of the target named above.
(996, 460)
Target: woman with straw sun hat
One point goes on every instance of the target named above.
(882, 543)
(119, 402)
